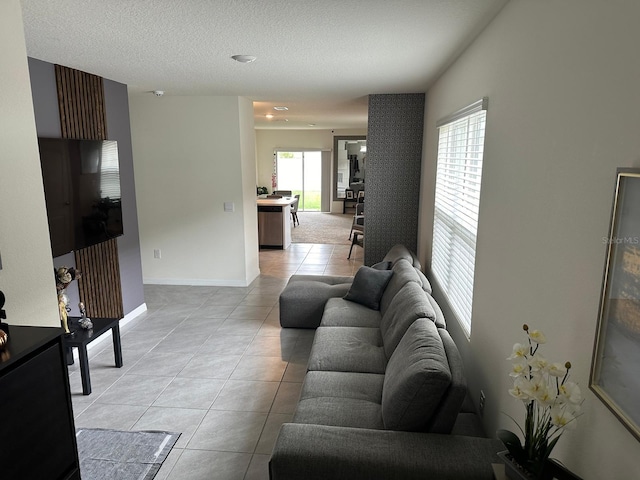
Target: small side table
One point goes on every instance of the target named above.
(83, 337)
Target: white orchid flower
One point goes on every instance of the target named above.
(571, 392)
(519, 389)
(545, 396)
(536, 386)
(519, 369)
(519, 351)
(557, 369)
(562, 418)
(537, 336)
(538, 363)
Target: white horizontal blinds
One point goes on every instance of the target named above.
(457, 201)
(109, 171)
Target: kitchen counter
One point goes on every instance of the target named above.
(274, 222)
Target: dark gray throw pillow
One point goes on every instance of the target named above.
(368, 286)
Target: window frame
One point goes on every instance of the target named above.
(457, 206)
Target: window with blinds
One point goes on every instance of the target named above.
(109, 170)
(457, 200)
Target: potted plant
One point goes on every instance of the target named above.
(552, 404)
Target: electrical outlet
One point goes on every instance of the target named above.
(481, 404)
(157, 253)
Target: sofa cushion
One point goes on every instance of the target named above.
(339, 312)
(398, 252)
(446, 416)
(348, 349)
(439, 320)
(368, 286)
(426, 285)
(406, 307)
(339, 412)
(327, 279)
(382, 265)
(342, 399)
(417, 377)
(302, 301)
(403, 273)
(360, 386)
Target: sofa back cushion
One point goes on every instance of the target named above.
(416, 378)
(426, 285)
(440, 321)
(398, 252)
(403, 273)
(446, 416)
(409, 304)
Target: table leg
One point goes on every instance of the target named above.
(69, 351)
(84, 370)
(117, 345)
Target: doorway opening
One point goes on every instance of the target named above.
(301, 172)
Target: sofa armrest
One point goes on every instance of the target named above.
(318, 452)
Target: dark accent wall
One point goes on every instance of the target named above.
(394, 163)
(116, 99)
(45, 101)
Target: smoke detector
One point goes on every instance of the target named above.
(244, 58)
(158, 93)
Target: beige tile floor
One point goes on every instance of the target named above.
(213, 364)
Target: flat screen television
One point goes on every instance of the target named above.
(82, 192)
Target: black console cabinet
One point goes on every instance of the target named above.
(38, 438)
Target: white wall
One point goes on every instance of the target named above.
(26, 277)
(248, 171)
(190, 156)
(562, 79)
(267, 141)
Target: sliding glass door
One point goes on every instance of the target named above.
(301, 172)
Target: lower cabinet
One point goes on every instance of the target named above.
(38, 438)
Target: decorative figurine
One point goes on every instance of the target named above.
(64, 276)
(62, 307)
(84, 322)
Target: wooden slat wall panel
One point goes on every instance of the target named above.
(99, 285)
(81, 104)
(83, 116)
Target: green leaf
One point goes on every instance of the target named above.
(512, 442)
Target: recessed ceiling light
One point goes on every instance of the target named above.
(312, 124)
(281, 109)
(244, 58)
(269, 115)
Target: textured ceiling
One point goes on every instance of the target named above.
(320, 58)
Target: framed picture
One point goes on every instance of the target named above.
(349, 194)
(361, 194)
(616, 355)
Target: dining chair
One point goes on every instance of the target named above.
(358, 217)
(294, 210)
(357, 229)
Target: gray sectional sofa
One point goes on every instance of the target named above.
(385, 395)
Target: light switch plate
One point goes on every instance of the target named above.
(229, 207)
